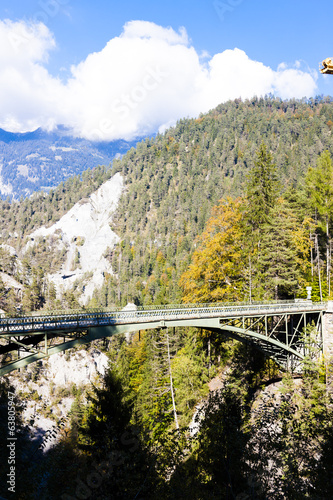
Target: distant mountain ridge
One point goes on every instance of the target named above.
(41, 160)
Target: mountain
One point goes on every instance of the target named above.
(41, 160)
(128, 232)
(171, 182)
(84, 236)
(174, 180)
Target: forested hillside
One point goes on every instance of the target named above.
(235, 205)
(175, 179)
(17, 219)
(40, 160)
(172, 183)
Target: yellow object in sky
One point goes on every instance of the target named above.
(327, 66)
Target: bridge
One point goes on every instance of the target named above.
(275, 328)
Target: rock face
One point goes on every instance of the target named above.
(80, 368)
(49, 385)
(86, 234)
(61, 370)
(10, 282)
(328, 343)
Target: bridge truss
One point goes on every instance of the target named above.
(275, 328)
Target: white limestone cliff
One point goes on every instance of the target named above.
(85, 231)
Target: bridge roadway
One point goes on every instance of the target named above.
(273, 327)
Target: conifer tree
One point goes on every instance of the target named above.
(319, 183)
(262, 189)
(285, 246)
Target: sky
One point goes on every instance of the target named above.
(119, 70)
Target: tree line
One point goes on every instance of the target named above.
(198, 228)
(265, 245)
(174, 180)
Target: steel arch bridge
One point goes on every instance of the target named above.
(273, 327)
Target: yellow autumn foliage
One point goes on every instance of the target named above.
(215, 273)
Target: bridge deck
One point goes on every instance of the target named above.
(273, 327)
(37, 323)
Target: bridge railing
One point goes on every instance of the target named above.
(85, 318)
(164, 307)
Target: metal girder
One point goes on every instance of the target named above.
(274, 328)
(278, 335)
(41, 354)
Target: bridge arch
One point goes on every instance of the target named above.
(274, 328)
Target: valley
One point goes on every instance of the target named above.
(41, 160)
(221, 208)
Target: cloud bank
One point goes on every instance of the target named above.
(142, 81)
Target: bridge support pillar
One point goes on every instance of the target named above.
(328, 343)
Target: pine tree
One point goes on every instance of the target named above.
(319, 183)
(155, 406)
(262, 189)
(282, 254)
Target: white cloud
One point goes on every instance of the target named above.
(29, 96)
(139, 82)
(24, 43)
(148, 30)
(232, 74)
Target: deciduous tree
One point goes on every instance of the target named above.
(217, 267)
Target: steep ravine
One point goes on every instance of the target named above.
(86, 234)
(48, 390)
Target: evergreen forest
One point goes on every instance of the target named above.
(234, 206)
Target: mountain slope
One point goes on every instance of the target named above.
(40, 160)
(84, 235)
(172, 182)
(175, 179)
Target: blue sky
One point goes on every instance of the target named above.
(66, 42)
